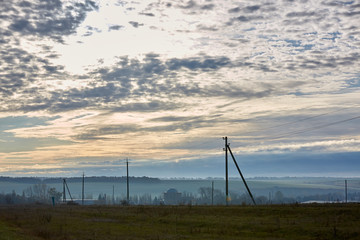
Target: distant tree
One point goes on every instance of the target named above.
(156, 201)
(102, 199)
(206, 195)
(134, 199)
(124, 202)
(29, 192)
(10, 198)
(55, 194)
(145, 199)
(279, 197)
(261, 200)
(41, 193)
(205, 192)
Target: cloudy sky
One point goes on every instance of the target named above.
(86, 84)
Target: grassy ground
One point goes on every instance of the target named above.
(335, 221)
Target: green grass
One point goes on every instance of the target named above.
(12, 233)
(317, 221)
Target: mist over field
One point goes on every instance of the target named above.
(330, 189)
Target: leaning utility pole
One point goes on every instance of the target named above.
(64, 192)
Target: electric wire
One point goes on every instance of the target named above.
(296, 121)
(297, 132)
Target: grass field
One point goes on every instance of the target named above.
(314, 221)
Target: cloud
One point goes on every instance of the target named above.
(109, 131)
(102, 132)
(198, 64)
(148, 14)
(234, 10)
(301, 14)
(207, 28)
(188, 5)
(152, 106)
(51, 19)
(192, 7)
(129, 78)
(251, 9)
(245, 19)
(247, 9)
(20, 69)
(318, 61)
(115, 27)
(90, 30)
(136, 24)
(172, 75)
(150, 78)
(316, 146)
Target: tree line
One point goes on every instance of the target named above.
(40, 193)
(207, 196)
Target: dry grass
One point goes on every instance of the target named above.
(333, 221)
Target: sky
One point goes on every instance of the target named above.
(86, 84)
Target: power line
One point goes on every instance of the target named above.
(310, 129)
(296, 121)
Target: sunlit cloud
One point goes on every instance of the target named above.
(163, 82)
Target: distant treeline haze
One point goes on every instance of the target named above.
(41, 193)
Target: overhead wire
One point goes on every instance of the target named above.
(296, 121)
(308, 129)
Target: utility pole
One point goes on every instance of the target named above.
(346, 191)
(227, 147)
(226, 172)
(212, 193)
(113, 196)
(269, 197)
(83, 189)
(127, 180)
(64, 192)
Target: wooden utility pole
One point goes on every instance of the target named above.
(212, 193)
(227, 148)
(226, 172)
(113, 196)
(64, 192)
(346, 191)
(127, 180)
(83, 189)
